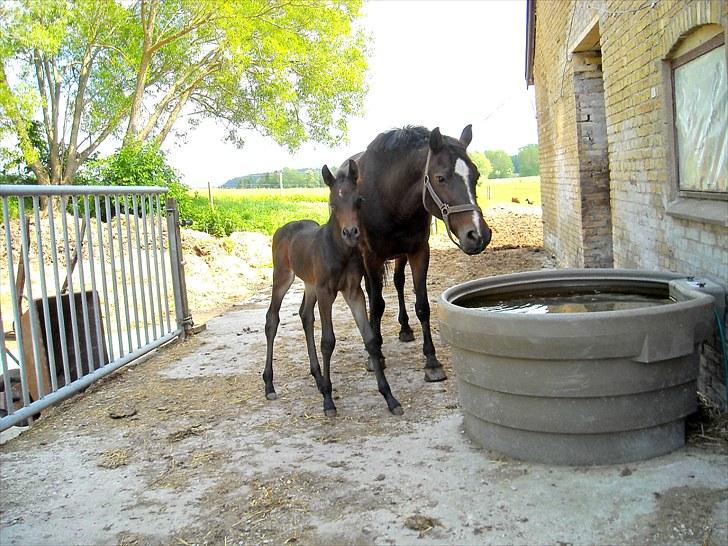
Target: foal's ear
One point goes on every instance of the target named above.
(467, 135)
(353, 171)
(436, 140)
(328, 177)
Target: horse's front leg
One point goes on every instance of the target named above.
(355, 299)
(405, 331)
(419, 262)
(326, 299)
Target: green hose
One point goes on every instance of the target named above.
(721, 334)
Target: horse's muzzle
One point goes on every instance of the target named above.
(475, 243)
(351, 235)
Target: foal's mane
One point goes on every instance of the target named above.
(400, 140)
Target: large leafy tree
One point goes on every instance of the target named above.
(89, 70)
(501, 163)
(483, 164)
(528, 160)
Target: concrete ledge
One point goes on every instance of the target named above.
(699, 210)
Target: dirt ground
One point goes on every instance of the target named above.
(185, 449)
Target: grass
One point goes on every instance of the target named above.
(504, 190)
(265, 210)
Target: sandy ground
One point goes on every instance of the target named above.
(185, 449)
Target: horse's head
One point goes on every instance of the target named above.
(449, 191)
(344, 201)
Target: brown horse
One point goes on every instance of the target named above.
(406, 176)
(328, 261)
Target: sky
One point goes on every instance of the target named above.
(436, 63)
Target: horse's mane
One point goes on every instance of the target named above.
(405, 139)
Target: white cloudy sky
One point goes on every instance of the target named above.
(434, 63)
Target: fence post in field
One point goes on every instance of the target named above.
(209, 195)
(181, 304)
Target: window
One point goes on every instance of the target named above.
(700, 117)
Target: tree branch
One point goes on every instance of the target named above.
(9, 105)
(44, 93)
(211, 61)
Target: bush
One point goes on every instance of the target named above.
(137, 164)
(213, 222)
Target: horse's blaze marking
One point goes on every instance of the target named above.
(462, 170)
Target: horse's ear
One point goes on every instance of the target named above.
(353, 170)
(467, 135)
(328, 177)
(436, 140)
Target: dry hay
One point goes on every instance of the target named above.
(114, 458)
(270, 511)
(708, 426)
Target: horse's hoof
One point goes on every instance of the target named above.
(397, 410)
(330, 412)
(271, 396)
(405, 336)
(433, 375)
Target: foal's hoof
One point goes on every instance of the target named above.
(330, 412)
(397, 410)
(432, 375)
(406, 336)
(271, 396)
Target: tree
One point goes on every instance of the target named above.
(516, 163)
(501, 162)
(528, 159)
(482, 163)
(93, 69)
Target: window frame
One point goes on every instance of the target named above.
(713, 43)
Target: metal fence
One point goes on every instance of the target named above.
(91, 278)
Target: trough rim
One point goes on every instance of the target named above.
(696, 298)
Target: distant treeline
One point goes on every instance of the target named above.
(290, 178)
(490, 163)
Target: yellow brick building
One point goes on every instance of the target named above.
(632, 107)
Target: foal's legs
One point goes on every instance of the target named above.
(419, 262)
(283, 278)
(355, 299)
(374, 282)
(405, 332)
(328, 343)
(306, 312)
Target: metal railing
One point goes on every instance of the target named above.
(119, 250)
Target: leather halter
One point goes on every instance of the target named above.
(445, 209)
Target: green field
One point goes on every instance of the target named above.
(265, 210)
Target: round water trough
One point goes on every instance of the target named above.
(578, 388)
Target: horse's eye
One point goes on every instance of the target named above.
(440, 178)
(358, 202)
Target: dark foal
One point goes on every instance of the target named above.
(328, 261)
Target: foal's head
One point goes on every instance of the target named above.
(344, 201)
(453, 177)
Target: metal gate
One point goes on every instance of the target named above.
(91, 278)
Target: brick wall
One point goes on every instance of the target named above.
(591, 133)
(635, 37)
